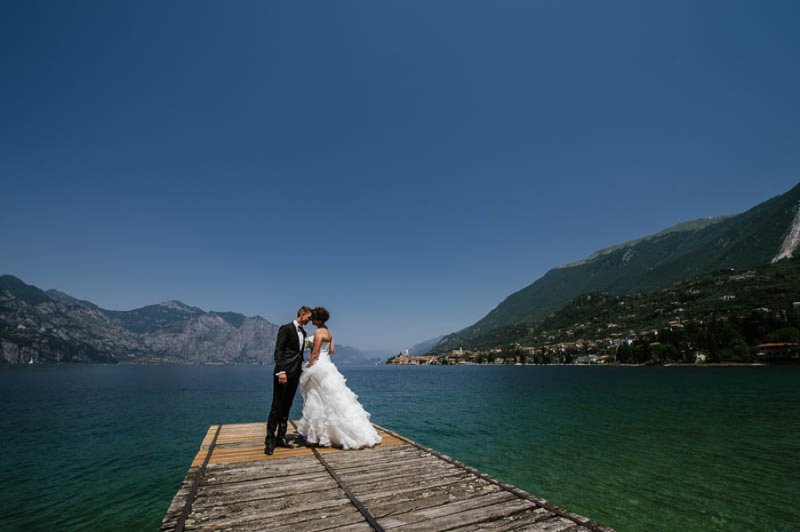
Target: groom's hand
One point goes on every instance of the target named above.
(282, 378)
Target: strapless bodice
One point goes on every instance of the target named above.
(325, 348)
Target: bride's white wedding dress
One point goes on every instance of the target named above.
(332, 414)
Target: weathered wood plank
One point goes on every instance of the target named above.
(473, 513)
(271, 517)
(250, 487)
(383, 462)
(287, 462)
(256, 454)
(385, 471)
(428, 514)
(342, 459)
(373, 451)
(518, 521)
(344, 516)
(269, 492)
(358, 527)
(420, 499)
(386, 456)
(255, 475)
(399, 480)
(273, 504)
(259, 470)
(252, 442)
(178, 502)
(391, 491)
(401, 484)
(231, 514)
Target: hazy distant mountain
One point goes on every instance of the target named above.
(55, 327)
(768, 232)
(347, 355)
(424, 347)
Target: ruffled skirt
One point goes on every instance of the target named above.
(332, 415)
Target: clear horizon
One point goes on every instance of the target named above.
(407, 166)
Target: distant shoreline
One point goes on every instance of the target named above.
(164, 363)
(676, 365)
(156, 363)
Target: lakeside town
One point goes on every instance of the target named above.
(584, 353)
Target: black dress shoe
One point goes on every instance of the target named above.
(269, 448)
(283, 443)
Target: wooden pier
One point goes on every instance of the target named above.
(397, 485)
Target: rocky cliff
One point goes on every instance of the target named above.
(39, 326)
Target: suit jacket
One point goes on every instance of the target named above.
(288, 357)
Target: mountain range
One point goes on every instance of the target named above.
(51, 326)
(766, 233)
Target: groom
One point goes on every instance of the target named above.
(288, 365)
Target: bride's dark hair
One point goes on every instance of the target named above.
(320, 314)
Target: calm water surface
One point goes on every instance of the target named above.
(88, 447)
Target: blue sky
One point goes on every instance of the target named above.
(406, 164)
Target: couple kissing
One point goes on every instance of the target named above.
(332, 415)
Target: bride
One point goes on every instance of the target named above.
(332, 415)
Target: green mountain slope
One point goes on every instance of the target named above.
(745, 240)
(724, 315)
(768, 290)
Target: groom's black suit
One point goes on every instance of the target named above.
(288, 358)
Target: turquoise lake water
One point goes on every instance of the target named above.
(105, 447)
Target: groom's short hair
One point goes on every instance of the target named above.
(304, 310)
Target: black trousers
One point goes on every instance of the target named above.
(282, 398)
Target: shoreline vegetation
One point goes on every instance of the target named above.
(774, 354)
(399, 361)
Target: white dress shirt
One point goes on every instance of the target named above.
(299, 335)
